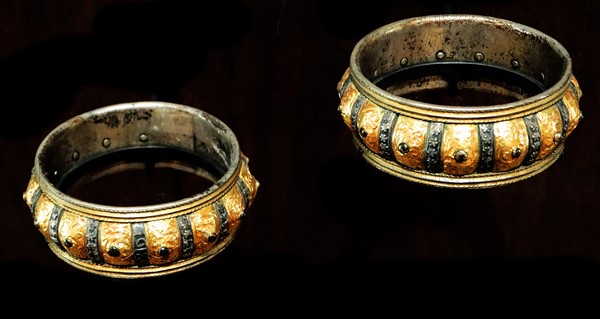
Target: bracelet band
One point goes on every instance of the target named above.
(140, 240)
(459, 101)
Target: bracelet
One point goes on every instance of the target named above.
(123, 241)
(460, 101)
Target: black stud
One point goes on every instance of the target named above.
(363, 133)
(403, 148)
(212, 237)
(68, 243)
(516, 153)
(114, 251)
(163, 252)
(460, 156)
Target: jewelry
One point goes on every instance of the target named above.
(461, 101)
(140, 240)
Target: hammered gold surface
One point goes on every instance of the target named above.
(42, 215)
(205, 224)
(576, 85)
(234, 202)
(119, 236)
(162, 236)
(572, 104)
(550, 124)
(510, 138)
(412, 132)
(32, 185)
(250, 181)
(343, 79)
(346, 101)
(368, 121)
(463, 139)
(71, 234)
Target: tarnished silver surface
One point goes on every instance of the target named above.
(143, 240)
(522, 101)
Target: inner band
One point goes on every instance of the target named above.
(464, 45)
(152, 175)
(164, 134)
(460, 83)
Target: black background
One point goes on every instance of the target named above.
(324, 222)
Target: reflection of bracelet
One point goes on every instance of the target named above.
(140, 240)
(459, 101)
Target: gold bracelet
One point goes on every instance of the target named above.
(460, 101)
(140, 240)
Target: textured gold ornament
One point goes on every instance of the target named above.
(527, 100)
(140, 241)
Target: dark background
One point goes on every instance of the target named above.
(323, 220)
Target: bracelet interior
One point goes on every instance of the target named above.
(185, 151)
(462, 60)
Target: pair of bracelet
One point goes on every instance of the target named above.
(458, 101)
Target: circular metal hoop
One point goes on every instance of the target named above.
(146, 240)
(456, 144)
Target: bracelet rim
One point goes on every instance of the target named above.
(220, 186)
(453, 112)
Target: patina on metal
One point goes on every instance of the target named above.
(459, 100)
(148, 240)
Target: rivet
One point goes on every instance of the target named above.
(557, 137)
(212, 237)
(362, 132)
(114, 251)
(516, 152)
(514, 63)
(163, 252)
(460, 156)
(440, 55)
(106, 142)
(75, 156)
(143, 137)
(404, 62)
(403, 148)
(478, 56)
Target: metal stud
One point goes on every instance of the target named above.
(557, 137)
(460, 156)
(114, 251)
(363, 133)
(516, 152)
(163, 252)
(212, 237)
(403, 148)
